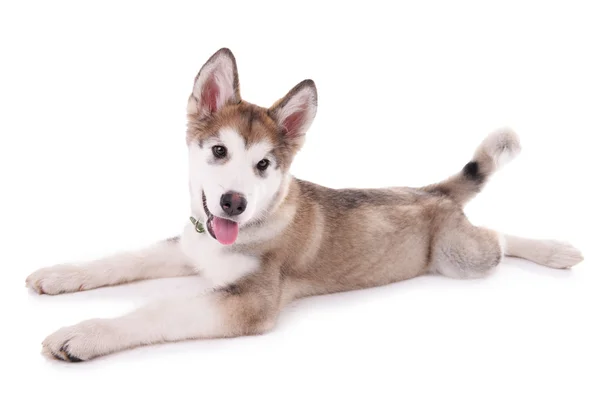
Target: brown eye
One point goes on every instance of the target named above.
(219, 151)
(263, 164)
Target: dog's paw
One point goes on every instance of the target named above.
(59, 279)
(562, 255)
(81, 342)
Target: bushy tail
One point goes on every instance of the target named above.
(496, 150)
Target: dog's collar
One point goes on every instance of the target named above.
(197, 225)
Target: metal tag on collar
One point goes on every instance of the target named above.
(197, 224)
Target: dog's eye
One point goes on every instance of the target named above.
(219, 151)
(263, 164)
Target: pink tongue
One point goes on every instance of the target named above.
(225, 230)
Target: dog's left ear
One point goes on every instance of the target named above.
(296, 111)
(216, 84)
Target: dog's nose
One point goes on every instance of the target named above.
(233, 203)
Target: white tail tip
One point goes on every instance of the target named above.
(502, 146)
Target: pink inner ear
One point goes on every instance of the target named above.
(210, 92)
(293, 123)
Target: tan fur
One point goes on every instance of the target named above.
(313, 240)
(388, 239)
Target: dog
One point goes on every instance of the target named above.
(264, 238)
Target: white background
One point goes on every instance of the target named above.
(93, 160)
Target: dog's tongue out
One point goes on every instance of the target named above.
(225, 231)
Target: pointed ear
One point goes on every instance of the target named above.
(296, 111)
(216, 84)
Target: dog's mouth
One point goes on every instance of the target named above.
(223, 230)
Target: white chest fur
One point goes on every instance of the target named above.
(213, 260)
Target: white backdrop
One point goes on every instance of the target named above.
(93, 160)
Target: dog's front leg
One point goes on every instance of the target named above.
(161, 260)
(224, 313)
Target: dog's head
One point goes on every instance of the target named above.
(240, 153)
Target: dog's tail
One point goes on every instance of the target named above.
(496, 150)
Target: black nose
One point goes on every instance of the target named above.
(233, 203)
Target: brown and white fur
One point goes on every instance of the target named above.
(295, 238)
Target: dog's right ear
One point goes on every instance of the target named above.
(216, 84)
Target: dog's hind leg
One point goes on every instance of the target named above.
(550, 253)
(461, 250)
(161, 260)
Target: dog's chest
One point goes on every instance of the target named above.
(214, 261)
